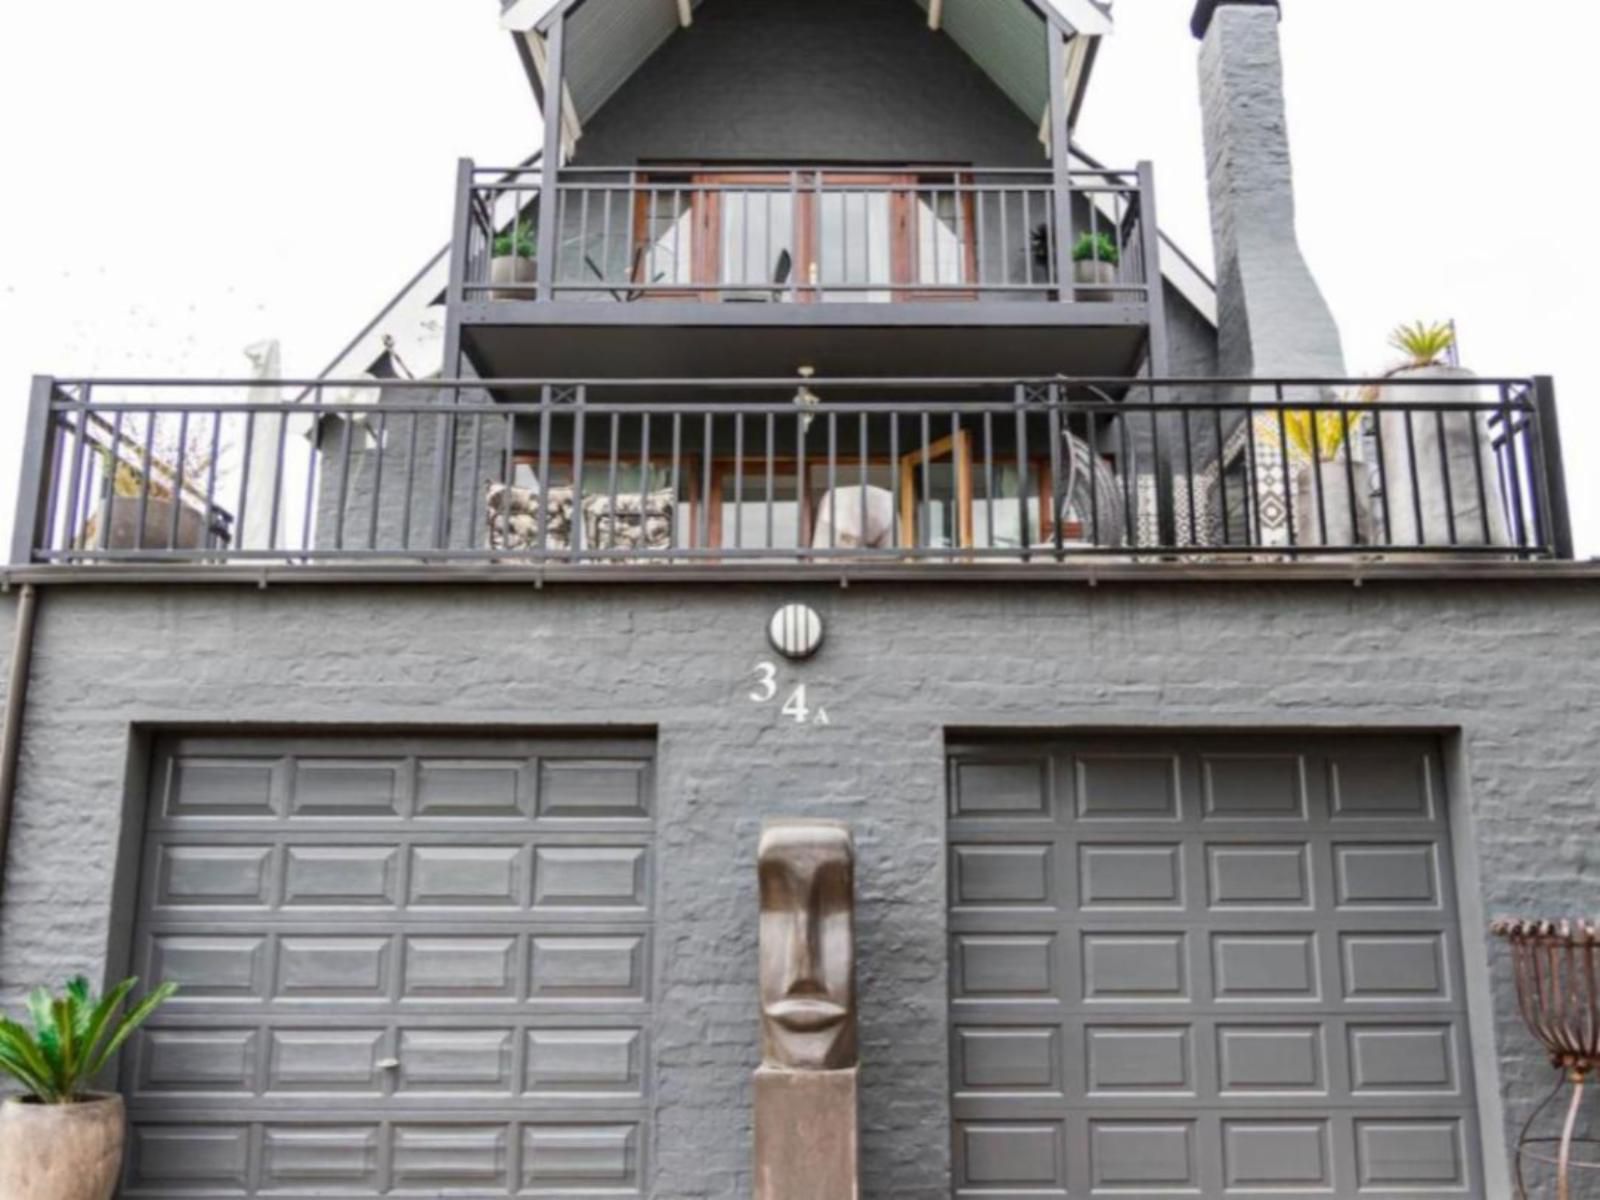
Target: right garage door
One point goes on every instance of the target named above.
(1206, 965)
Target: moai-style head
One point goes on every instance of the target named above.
(808, 970)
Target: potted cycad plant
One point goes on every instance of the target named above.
(1327, 511)
(62, 1141)
(1094, 264)
(515, 264)
(1441, 480)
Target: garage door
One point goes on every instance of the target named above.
(1211, 966)
(408, 967)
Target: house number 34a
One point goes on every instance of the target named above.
(796, 704)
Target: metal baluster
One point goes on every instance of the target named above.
(738, 481)
(705, 490)
(1054, 396)
(1288, 469)
(411, 480)
(111, 489)
(177, 486)
(1449, 484)
(1023, 472)
(1416, 479)
(1477, 470)
(1317, 493)
(1519, 520)
(1222, 476)
(211, 479)
(611, 486)
(861, 451)
(833, 481)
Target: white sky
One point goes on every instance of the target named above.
(181, 180)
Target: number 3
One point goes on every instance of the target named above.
(766, 685)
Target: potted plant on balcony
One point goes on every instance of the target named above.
(1441, 478)
(1328, 511)
(1095, 258)
(515, 264)
(61, 1141)
(140, 477)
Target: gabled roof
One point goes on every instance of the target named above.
(608, 40)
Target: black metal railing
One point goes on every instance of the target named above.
(805, 235)
(796, 472)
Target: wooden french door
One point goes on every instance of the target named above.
(804, 237)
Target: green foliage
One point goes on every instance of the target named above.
(74, 1035)
(1096, 247)
(1423, 343)
(520, 240)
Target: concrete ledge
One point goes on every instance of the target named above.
(1082, 574)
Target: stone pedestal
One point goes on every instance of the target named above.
(806, 1135)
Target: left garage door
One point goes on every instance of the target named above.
(408, 967)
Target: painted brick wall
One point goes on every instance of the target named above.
(819, 82)
(1515, 666)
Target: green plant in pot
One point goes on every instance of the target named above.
(1440, 469)
(514, 267)
(1095, 258)
(61, 1140)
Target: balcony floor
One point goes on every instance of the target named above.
(519, 340)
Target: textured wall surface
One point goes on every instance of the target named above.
(772, 80)
(1273, 317)
(1514, 666)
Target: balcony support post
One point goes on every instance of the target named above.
(1155, 281)
(550, 175)
(28, 532)
(1556, 517)
(1055, 33)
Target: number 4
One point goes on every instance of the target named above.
(795, 706)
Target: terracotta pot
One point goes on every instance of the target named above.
(123, 514)
(61, 1151)
(513, 269)
(1432, 464)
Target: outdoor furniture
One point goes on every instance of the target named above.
(839, 519)
(1557, 969)
(512, 514)
(630, 521)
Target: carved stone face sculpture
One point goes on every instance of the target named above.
(808, 972)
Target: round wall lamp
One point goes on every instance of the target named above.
(795, 631)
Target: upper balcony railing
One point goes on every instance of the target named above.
(808, 235)
(789, 475)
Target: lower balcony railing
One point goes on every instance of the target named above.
(795, 473)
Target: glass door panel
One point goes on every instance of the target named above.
(757, 244)
(855, 244)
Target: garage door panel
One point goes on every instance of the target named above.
(1253, 967)
(405, 969)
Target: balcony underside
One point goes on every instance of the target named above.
(522, 340)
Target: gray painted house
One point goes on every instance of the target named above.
(1193, 708)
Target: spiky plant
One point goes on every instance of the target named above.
(1096, 247)
(1423, 343)
(519, 241)
(1320, 435)
(74, 1035)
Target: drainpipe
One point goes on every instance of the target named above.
(1272, 318)
(16, 700)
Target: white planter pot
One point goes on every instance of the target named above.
(1098, 276)
(1432, 464)
(61, 1151)
(1323, 504)
(511, 269)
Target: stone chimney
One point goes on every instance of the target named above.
(1273, 319)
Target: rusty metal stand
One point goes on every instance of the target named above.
(1558, 991)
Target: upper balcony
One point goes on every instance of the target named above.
(920, 270)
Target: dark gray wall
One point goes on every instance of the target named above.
(1514, 667)
(811, 81)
